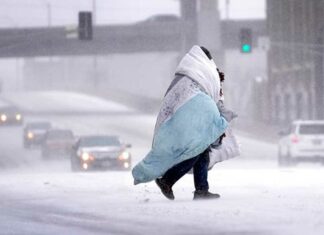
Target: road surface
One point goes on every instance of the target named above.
(45, 197)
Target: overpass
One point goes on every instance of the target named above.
(179, 36)
(141, 37)
(143, 48)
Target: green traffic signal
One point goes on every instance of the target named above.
(245, 36)
(246, 48)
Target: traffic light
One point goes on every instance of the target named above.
(85, 25)
(246, 40)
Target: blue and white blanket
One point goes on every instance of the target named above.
(189, 120)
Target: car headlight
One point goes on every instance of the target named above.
(30, 135)
(85, 156)
(18, 117)
(126, 165)
(85, 166)
(124, 156)
(3, 117)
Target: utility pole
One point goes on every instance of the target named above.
(227, 9)
(49, 14)
(49, 21)
(189, 24)
(319, 79)
(95, 59)
(94, 12)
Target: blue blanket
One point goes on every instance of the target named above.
(190, 130)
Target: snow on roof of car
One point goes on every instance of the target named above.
(298, 122)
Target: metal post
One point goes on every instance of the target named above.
(94, 12)
(17, 73)
(319, 80)
(227, 9)
(94, 59)
(189, 27)
(49, 14)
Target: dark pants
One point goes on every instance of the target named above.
(200, 171)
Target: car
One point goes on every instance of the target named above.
(10, 115)
(163, 18)
(57, 142)
(303, 141)
(160, 18)
(100, 152)
(34, 133)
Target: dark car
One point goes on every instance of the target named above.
(57, 142)
(100, 152)
(162, 18)
(10, 115)
(34, 133)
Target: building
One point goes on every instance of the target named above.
(246, 73)
(295, 59)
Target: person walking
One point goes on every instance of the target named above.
(188, 123)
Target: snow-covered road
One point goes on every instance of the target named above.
(254, 201)
(46, 198)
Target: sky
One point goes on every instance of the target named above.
(31, 13)
(243, 9)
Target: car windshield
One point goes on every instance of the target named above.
(60, 135)
(40, 125)
(312, 129)
(99, 141)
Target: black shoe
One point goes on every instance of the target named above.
(205, 194)
(166, 189)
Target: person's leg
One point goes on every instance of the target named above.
(200, 171)
(173, 175)
(176, 172)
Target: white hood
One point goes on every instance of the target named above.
(196, 65)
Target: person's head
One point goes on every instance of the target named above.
(199, 65)
(206, 52)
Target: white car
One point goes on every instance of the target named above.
(302, 141)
